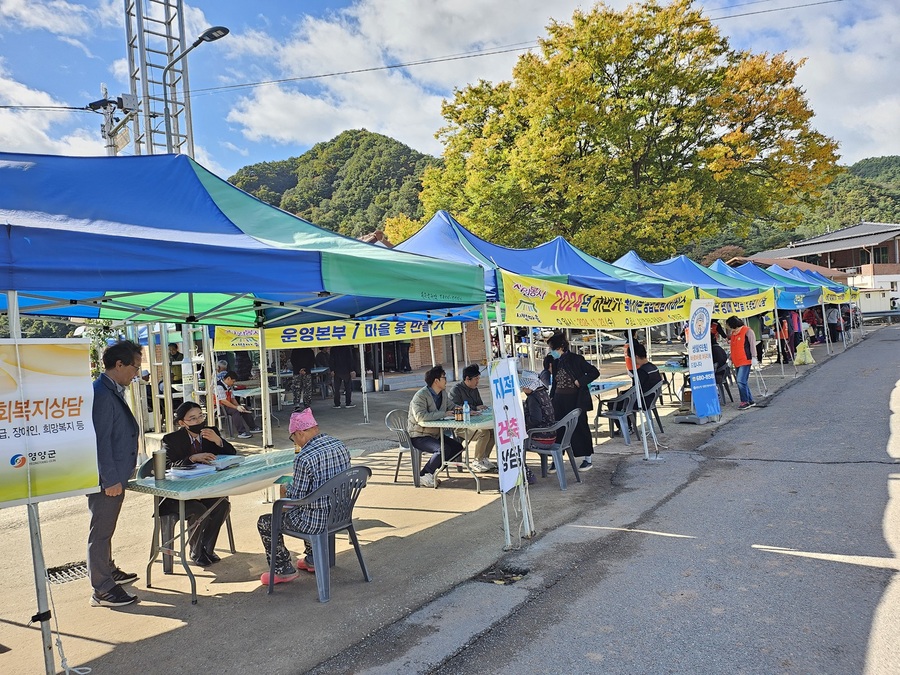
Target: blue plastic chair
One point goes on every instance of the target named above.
(342, 491)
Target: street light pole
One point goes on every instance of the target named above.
(209, 35)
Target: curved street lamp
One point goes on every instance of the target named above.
(209, 35)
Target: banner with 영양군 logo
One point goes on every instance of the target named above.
(704, 392)
(48, 449)
(540, 302)
(330, 334)
(830, 297)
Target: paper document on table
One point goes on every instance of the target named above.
(190, 471)
(222, 462)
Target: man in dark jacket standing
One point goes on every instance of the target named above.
(117, 441)
(303, 360)
(340, 361)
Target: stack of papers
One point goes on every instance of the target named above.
(223, 462)
(190, 471)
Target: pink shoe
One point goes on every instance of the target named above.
(279, 578)
(305, 566)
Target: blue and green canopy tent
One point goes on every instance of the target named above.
(683, 270)
(790, 293)
(161, 238)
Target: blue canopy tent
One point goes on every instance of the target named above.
(790, 293)
(681, 269)
(161, 238)
(555, 259)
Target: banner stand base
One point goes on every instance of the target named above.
(695, 419)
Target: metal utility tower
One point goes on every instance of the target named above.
(155, 33)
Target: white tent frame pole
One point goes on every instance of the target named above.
(154, 383)
(639, 400)
(431, 344)
(455, 351)
(827, 332)
(138, 404)
(34, 524)
(209, 369)
(465, 343)
(167, 379)
(362, 381)
(265, 409)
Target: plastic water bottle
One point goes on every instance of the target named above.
(466, 416)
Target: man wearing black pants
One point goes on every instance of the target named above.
(430, 403)
(340, 360)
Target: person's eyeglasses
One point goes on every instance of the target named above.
(196, 419)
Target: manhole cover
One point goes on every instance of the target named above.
(502, 575)
(68, 572)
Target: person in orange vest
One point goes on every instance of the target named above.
(743, 356)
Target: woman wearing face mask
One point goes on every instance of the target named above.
(197, 443)
(571, 376)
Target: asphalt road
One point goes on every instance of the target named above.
(772, 549)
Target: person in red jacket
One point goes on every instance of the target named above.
(743, 355)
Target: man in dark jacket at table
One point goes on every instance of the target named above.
(340, 360)
(482, 439)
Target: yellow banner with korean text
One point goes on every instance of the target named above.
(330, 334)
(539, 302)
(745, 305)
(48, 449)
(830, 297)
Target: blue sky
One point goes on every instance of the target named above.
(57, 53)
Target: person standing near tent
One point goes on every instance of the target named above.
(833, 319)
(403, 347)
(303, 360)
(117, 445)
(242, 420)
(340, 360)
(571, 376)
(175, 359)
(743, 356)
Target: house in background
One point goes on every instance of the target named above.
(867, 253)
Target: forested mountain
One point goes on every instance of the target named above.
(349, 184)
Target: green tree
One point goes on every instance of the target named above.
(636, 129)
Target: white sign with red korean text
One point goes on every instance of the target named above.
(48, 449)
(509, 422)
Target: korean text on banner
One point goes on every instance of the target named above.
(830, 297)
(48, 449)
(540, 302)
(330, 334)
(746, 305)
(509, 422)
(704, 393)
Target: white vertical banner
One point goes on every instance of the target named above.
(704, 392)
(509, 422)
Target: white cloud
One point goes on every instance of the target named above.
(56, 16)
(78, 44)
(243, 152)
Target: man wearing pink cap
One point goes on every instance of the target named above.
(319, 458)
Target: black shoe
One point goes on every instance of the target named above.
(213, 558)
(117, 597)
(121, 577)
(202, 559)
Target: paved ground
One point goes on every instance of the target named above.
(421, 612)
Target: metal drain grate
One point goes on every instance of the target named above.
(69, 572)
(502, 575)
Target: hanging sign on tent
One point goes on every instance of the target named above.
(704, 392)
(746, 305)
(539, 302)
(48, 449)
(830, 297)
(509, 422)
(788, 300)
(330, 334)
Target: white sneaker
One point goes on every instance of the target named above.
(480, 466)
(427, 480)
(489, 464)
(245, 435)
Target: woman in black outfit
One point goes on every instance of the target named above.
(571, 376)
(196, 443)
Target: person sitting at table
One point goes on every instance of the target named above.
(431, 403)
(483, 439)
(319, 458)
(196, 443)
(539, 414)
(241, 419)
(648, 377)
(303, 360)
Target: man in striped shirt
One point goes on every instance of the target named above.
(319, 458)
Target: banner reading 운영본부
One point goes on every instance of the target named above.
(48, 449)
(331, 333)
(746, 305)
(539, 302)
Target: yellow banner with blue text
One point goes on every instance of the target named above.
(745, 305)
(539, 302)
(330, 334)
(830, 297)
